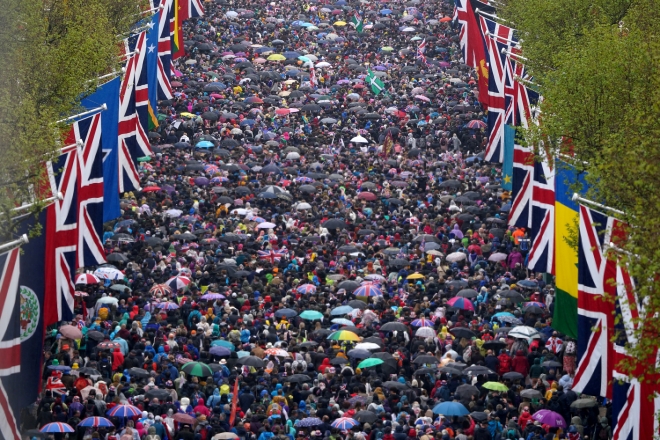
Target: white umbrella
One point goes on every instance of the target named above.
(434, 252)
(367, 346)
(497, 256)
(293, 156)
(109, 273)
(425, 332)
(323, 64)
(239, 211)
(456, 256)
(360, 140)
(236, 131)
(303, 206)
(524, 332)
(108, 300)
(173, 212)
(231, 14)
(408, 29)
(266, 225)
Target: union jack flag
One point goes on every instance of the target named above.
(595, 352)
(497, 37)
(272, 255)
(420, 51)
(142, 95)
(195, 9)
(519, 97)
(90, 191)
(10, 341)
(521, 193)
(61, 238)
(164, 50)
(129, 147)
(542, 253)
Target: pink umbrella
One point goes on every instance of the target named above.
(422, 98)
(177, 73)
(282, 111)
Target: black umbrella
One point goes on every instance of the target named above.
(513, 375)
(251, 361)
(461, 332)
(95, 335)
(334, 223)
(394, 326)
(365, 417)
(154, 241)
(117, 257)
(157, 393)
(395, 384)
(138, 372)
(478, 369)
(298, 378)
(467, 293)
(426, 359)
(496, 346)
(348, 285)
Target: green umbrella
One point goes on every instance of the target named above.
(161, 117)
(144, 159)
(198, 369)
(495, 386)
(221, 343)
(311, 315)
(370, 362)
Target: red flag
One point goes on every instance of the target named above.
(234, 403)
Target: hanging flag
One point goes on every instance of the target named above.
(507, 162)
(495, 36)
(357, 22)
(234, 403)
(129, 149)
(195, 9)
(164, 50)
(61, 239)
(155, 70)
(108, 94)
(520, 214)
(377, 86)
(567, 181)
(595, 326)
(146, 116)
(541, 257)
(312, 77)
(90, 191)
(477, 52)
(31, 298)
(388, 144)
(10, 345)
(179, 8)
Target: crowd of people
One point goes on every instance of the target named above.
(309, 259)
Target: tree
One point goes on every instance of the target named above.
(596, 63)
(52, 53)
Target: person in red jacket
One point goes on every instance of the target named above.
(117, 360)
(520, 363)
(525, 418)
(201, 408)
(505, 362)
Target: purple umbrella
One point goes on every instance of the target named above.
(220, 351)
(444, 64)
(168, 189)
(549, 418)
(201, 181)
(213, 296)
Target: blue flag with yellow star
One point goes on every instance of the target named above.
(507, 163)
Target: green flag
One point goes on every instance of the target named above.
(357, 23)
(377, 86)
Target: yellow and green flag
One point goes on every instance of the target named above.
(567, 181)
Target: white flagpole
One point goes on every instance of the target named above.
(576, 198)
(49, 200)
(13, 244)
(83, 114)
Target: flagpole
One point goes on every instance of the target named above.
(511, 54)
(83, 114)
(576, 198)
(49, 200)
(504, 39)
(13, 244)
(494, 17)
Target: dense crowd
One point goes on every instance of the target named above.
(280, 259)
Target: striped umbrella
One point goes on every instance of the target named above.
(87, 278)
(178, 282)
(422, 322)
(124, 411)
(169, 305)
(198, 369)
(344, 423)
(461, 303)
(306, 288)
(160, 290)
(58, 427)
(368, 290)
(96, 422)
(344, 335)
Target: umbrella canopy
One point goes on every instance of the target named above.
(198, 369)
(371, 362)
(58, 427)
(550, 418)
(451, 409)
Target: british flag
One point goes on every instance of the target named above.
(461, 17)
(129, 146)
(541, 257)
(273, 256)
(156, 77)
(90, 191)
(164, 50)
(195, 9)
(61, 238)
(141, 91)
(420, 51)
(497, 37)
(520, 98)
(10, 341)
(595, 352)
(520, 214)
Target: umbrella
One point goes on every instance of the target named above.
(298, 378)
(198, 369)
(465, 391)
(550, 418)
(343, 335)
(394, 327)
(422, 322)
(450, 409)
(251, 361)
(96, 422)
(368, 290)
(341, 310)
(495, 386)
(160, 290)
(461, 332)
(309, 421)
(524, 332)
(70, 331)
(58, 427)
(138, 372)
(426, 359)
(371, 362)
(311, 315)
(461, 303)
(125, 411)
(456, 256)
(513, 375)
(178, 282)
(286, 313)
(425, 332)
(184, 418)
(365, 416)
(224, 436)
(87, 278)
(584, 403)
(220, 351)
(344, 423)
(531, 394)
(157, 393)
(396, 385)
(306, 288)
(467, 293)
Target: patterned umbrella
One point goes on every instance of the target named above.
(344, 423)
(344, 335)
(87, 278)
(160, 290)
(96, 422)
(126, 410)
(58, 427)
(368, 290)
(422, 322)
(178, 283)
(550, 418)
(169, 305)
(220, 351)
(309, 421)
(198, 369)
(277, 352)
(109, 345)
(306, 288)
(461, 303)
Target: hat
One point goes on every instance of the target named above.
(223, 362)
(75, 366)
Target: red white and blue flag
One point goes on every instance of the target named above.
(520, 214)
(420, 51)
(164, 50)
(90, 191)
(195, 9)
(10, 342)
(272, 255)
(541, 257)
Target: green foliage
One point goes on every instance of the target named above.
(597, 63)
(52, 51)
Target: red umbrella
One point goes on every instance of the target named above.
(367, 196)
(151, 189)
(184, 418)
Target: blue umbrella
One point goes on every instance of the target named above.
(343, 321)
(220, 351)
(341, 310)
(308, 422)
(286, 313)
(124, 411)
(204, 144)
(96, 422)
(451, 409)
(58, 427)
(344, 423)
(242, 354)
(385, 11)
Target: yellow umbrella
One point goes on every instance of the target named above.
(339, 23)
(187, 115)
(284, 93)
(415, 276)
(276, 57)
(344, 335)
